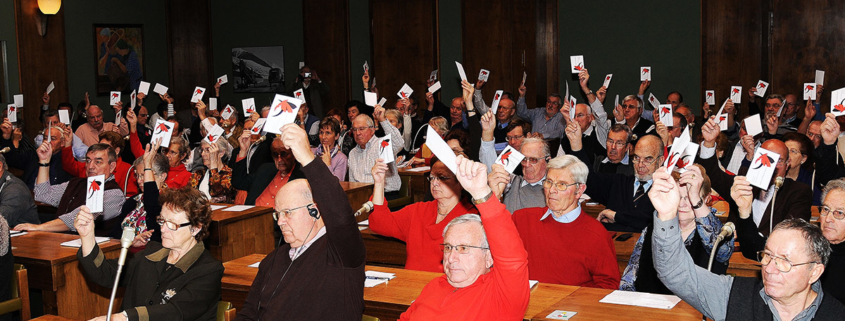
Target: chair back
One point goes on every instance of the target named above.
(20, 294)
(368, 318)
(225, 311)
(405, 196)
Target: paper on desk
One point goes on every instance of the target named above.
(16, 233)
(419, 169)
(238, 208)
(78, 242)
(368, 282)
(364, 222)
(217, 207)
(641, 299)
(532, 283)
(255, 265)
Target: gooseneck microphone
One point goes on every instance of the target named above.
(778, 184)
(125, 243)
(366, 208)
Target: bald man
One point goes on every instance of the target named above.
(592, 136)
(89, 132)
(794, 199)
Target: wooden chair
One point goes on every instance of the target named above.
(405, 196)
(368, 318)
(20, 294)
(225, 311)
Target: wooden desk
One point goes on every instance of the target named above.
(51, 318)
(385, 301)
(358, 194)
(585, 301)
(55, 271)
(237, 234)
(419, 185)
(383, 250)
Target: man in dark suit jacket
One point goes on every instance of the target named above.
(628, 208)
(257, 182)
(794, 199)
(616, 158)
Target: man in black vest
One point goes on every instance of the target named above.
(319, 273)
(794, 259)
(69, 196)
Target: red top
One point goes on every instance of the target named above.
(268, 196)
(577, 253)
(414, 224)
(501, 294)
(177, 177)
(77, 168)
(135, 145)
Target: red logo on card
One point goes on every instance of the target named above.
(664, 110)
(839, 107)
(95, 186)
(764, 160)
(162, 128)
(505, 157)
(709, 94)
(735, 90)
(645, 71)
(283, 106)
(114, 95)
(809, 88)
(761, 85)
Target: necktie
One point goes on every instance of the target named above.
(640, 191)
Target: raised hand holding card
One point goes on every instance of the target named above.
(94, 193)
(214, 134)
(762, 167)
(160, 89)
(483, 75)
(366, 66)
(607, 80)
(753, 126)
(710, 97)
(64, 116)
(248, 105)
(223, 79)
(577, 63)
(227, 112)
(461, 71)
(197, 94)
(298, 93)
(524, 77)
(114, 98)
(18, 100)
(687, 158)
(809, 91)
(496, 99)
(144, 88)
(50, 87)
(762, 86)
(572, 103)
(212, 104)
(283, 111)
(435, 87)
(382, 101)
(256, 128)
(736, 94)
(722, 120)
(837, 102)
(370, 98)
(679, 146)
(132, 99)
(386, 149)
(405, 92)
(440, 149)
(666, 115)
(509, 159)
(645, 73)
(12, 113)
(819, 77)
(163, 130)
(433, 75)
(655, 103)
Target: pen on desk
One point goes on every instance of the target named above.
(386, 280)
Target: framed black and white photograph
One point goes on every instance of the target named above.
(259, 69)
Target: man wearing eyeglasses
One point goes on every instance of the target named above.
(794, 258)
(545, 121)
(630, 113)
(563, 229)
(90, 131)
(364, 155)
(484, 260)
(593, 138)
(263, 184)
(516, 191)
(627, 208)
(70, 196)
(794, 199)
(319, 273)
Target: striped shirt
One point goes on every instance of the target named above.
(552, 128)
(52, 194)
(361, 161)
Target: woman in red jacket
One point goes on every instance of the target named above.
(420, 225)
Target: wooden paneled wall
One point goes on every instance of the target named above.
(508, 38)
(405, 48)
(189, 49)
(40, 60)
(326, 35)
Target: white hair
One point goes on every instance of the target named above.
(576, 167)
(469, 218)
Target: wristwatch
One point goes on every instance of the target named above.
(699, 204)
(483, 199)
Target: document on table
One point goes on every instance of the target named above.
(238, 208)
(217, 207)
(78, 242)
(254, 265)
(419, 169)
(641, 299)
(364, 223)
(16, 233)
(374, 278)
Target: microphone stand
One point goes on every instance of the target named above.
(714, 249)
(778, 184)
(125, 242)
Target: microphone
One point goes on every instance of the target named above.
(727, 229)
(366, 208)
(125, 243)
(4, 150)
(778, 182)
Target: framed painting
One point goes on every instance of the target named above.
(258, 69)
(119, 50)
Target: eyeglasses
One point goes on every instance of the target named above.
(514, 137)
(442, 179)
(533, 160)
(96, 161)
(554, 103)
(560, 186)
(824, 210)
(280, 154)
(288, 212)
(645, 161)
(617, 144)
(173, 226)
(782, 264)
(358, 129)
(630, 107)
(813, 135)
(461, 249)
(795, 151)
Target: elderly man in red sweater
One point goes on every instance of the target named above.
(566, 245)
(484, 260)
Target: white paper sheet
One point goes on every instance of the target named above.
(238, 208)
(641, 299)
(78, 242)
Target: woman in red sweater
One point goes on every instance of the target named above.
(420, 225)
(176, 153)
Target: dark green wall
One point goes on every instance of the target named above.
(80, 17)
(7, 34)
(620, 36)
